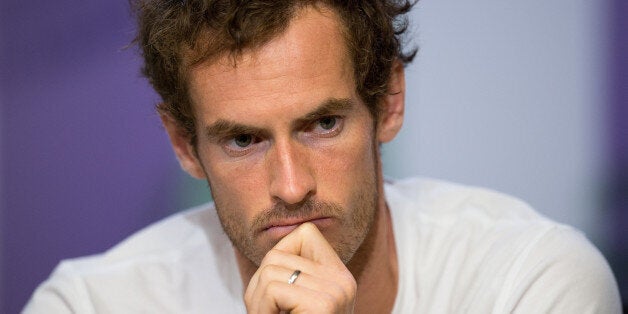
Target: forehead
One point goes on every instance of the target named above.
(306, 63)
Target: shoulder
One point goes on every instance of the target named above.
(438, 211)
(166, 239)
(161, 262)
(172, 235)
(439, 199)
(561, 272)
(490, 251)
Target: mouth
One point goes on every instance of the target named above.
(279, 229)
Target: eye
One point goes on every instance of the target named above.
(327, 123)
(243, 140)
(240, 145)
(327, 126)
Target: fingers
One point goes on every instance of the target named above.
(290, 262)
(307, 241)
(297, 300)
(279, 266)
(324, 285)
(313, 293)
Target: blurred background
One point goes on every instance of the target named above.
(526, 97)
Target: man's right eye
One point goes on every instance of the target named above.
(240, 145)
(243, 140)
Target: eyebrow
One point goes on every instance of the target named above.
(224, 128)
(328, 107)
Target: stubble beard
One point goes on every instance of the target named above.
(355, 225)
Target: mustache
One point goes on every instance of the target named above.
(305, 210)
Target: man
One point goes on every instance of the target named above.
(281, 106)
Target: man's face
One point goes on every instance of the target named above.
(283, 138)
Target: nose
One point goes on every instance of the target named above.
(292, 180)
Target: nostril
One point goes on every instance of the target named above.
(306, 205)
(300, 205)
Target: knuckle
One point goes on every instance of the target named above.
(266, 273)
(327, 304)
(248, 303)
(249, 308)
(347, 283)
(338, 293)
(353, 285)
(273, 288)
(271, 256)
(347, 288)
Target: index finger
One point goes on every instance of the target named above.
(307, 241)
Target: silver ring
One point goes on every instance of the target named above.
(294, 277)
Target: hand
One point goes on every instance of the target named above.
(325, 285)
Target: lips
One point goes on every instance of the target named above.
(279, 229)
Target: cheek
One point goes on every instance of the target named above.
(236, 187)
(345, 167)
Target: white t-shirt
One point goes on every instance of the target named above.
(460, 250)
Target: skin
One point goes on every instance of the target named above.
(290, 152)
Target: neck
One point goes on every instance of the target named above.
(374, 265)
(377, 274)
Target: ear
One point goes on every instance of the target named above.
(186, 153)
(391, 115)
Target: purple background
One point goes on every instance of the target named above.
(85, 161)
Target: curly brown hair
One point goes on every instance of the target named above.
(176, 34)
